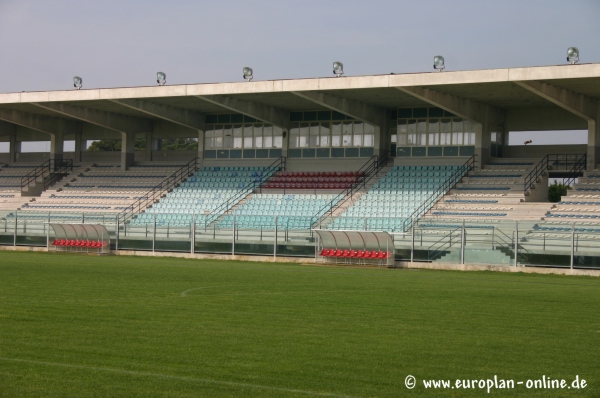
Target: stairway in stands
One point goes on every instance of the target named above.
(494, 193)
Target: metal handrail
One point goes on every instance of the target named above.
(578, 167)
(59, 172)
(444, 188)
(366, 173)
(268, 171)
(440, 247)
(48, 166)
(553, 159)
(156, 193)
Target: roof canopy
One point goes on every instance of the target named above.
(90, 232)
(355, 240)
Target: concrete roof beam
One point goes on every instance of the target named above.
(579, 104)
(363, 111)
(266, 113)
(120, 123)
(462, 107)
(183, 117)
(44, 124)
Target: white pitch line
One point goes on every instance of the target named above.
(184, 293)
(184, 378)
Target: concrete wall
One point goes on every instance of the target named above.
(432, 161)
(173, 156)
(539, 151)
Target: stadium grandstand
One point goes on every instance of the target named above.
(423, 157)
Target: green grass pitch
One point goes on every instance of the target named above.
(79, 326)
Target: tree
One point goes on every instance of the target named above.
(556, 191)
(178, 144)
(114, 145)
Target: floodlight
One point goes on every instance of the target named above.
(248, 73)
(573, 55)
(438, 63)
(77, 82)
(161, 78)
(338, 69)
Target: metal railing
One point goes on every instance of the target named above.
(365, 174)
(579, 166)
(445, 243)
(224, 207)
(441, 191)
(156, 193)
(555, 161)
(61, 167)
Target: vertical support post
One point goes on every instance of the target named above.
(412, 243)
(275, 244)
(154, 235)
(48, 237)
(117, 239)
(233, 237)
(516, 243)
(16, 225)
(193, 237)
(462, 244)
(572, 244)
(83, 218)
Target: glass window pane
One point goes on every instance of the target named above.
(303, 141)
(445, 126)
(248, 135)
(434, 138)
(369, 140)
(314, 135)
(347, 133)
(445, 138)
(469, 139)
(227, 136)
(369, 129)
(336, 134)
(209, 138)
(277, 137)
(294, 137)
(411, 128)
(457, 126)
(238, 130)
(325, 131)
(402, 127)
(218, 136)
(359, 128)
(457, 138)
(402, 139)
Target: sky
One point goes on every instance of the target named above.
(123, 43)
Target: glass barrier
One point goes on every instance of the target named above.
(542, 243)
(496, 242)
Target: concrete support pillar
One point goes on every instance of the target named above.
(382, 135)
(127, 150)
(12, 142)
(483, 142)
(149, 146)
(57, 144)
(285, 143)
(79, 147)
(593, 150)
(200, 147)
